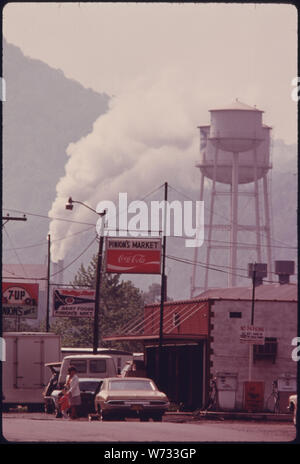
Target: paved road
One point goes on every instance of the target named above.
(44, 428)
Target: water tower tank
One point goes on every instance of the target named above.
(224, 158)
(235, 150)
(236, 128)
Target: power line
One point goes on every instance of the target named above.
(70, 220)
(205, 266)
(224, 217)
(55, 273)
(228, 242)
(49, 218)
(54, 240)
(72, 262)
(19, 261)
(197, 263)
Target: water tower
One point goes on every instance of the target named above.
(235, 152)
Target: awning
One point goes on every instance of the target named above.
(175, 338)
(175, 314)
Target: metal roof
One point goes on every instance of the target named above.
(237, 105)
(267, 292)
(138, 328)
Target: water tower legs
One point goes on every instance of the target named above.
(234, 220)
(211, 216)
(196, 249)
(257, 217)
(267, 226)
(260, 228)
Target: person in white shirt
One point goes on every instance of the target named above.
(73, 391)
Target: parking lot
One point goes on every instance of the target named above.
(41, 427)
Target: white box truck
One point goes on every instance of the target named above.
(24, 374)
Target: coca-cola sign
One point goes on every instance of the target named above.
(133, 255)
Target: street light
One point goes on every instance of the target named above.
(69, 206)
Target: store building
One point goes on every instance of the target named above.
(202, 340)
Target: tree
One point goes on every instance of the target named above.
(120, 303)
(153, 295)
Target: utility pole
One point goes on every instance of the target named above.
(163, 286)
(12, 218)
(252, 320)
(97, 295)
(69, 206)
(48, 286)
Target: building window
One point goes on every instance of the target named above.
(235, 314)
(266, 351)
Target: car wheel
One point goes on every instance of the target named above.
(48, 409)
(101, 414)
(157, 418)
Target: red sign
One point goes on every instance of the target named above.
(133, 255)
(20, 299)
(254, 396)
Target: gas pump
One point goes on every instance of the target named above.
(286, 385)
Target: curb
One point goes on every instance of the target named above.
(229, 415)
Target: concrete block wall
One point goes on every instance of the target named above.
(228, 354)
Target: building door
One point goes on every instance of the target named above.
(182, 373)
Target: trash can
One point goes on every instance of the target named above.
(287, 385)
(226, 387)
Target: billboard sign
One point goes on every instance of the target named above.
(252, 334)
(133, 255)
(73, 302)
(20, 300)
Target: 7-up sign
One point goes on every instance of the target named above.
(20, 299)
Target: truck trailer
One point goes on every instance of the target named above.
(24, 374)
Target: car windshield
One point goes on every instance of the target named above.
(88, 386)
(130, 385)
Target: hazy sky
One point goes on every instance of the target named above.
(219, 51)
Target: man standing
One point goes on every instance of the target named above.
(73, 391)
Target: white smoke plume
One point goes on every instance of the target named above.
(149, 136)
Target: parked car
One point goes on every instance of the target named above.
(89, 387)
(293, 407)
(130, 397)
